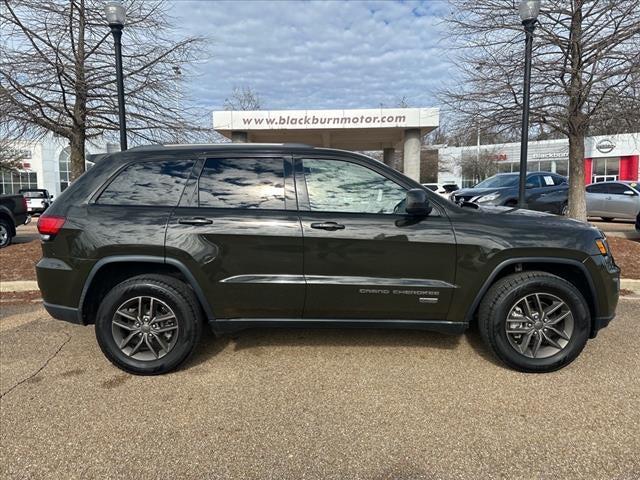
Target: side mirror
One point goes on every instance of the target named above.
(631, 193)
(417, 202)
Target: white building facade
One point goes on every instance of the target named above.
(46, 164)
(607, 157)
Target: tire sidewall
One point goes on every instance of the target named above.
(581, 328)
(186, 319)
(7, 228)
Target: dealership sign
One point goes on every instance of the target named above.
(605, 145)
(325, 119)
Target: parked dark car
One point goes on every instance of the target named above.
(546, 192)
(38, 199)
(13, 212)
(154, 242)
(638, 222)
(610, 200)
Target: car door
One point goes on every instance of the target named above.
(549, 193)
(620, 203)
(237, 229)
(595, 198)
(364, 258)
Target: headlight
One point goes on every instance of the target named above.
(487, 198)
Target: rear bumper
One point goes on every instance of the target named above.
(62, 312)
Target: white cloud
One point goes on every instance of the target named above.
(331, 54)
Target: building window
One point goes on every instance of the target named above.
(12, 181)
(605, 169)
(64, 163)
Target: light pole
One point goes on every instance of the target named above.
(115, 13)
(529, 10)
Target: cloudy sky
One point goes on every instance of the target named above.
(331, 54)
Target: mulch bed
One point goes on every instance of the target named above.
(19, 298)
(18, 261)
(627, 256)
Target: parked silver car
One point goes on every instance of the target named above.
(611, 200)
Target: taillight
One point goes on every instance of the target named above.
(50, 224)
(24, 203)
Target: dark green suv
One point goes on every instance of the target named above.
(152, 243)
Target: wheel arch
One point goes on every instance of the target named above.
(6, 215)
(571, 270)
(109, 271)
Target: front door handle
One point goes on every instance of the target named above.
(331, 226)
(194, 221)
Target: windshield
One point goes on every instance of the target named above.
(33, 194)
(498, 181)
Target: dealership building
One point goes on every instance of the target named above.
(396, 133)
(607, 157)
(46, 164)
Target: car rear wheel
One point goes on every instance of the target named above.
(149, 324)
(5, 234)
(534, 321)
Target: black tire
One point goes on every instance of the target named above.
(175, 294)
(505, 293)
(6, 236)
(607, 219)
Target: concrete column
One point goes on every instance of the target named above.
(239, 137)
(411, 153)
(388, 156)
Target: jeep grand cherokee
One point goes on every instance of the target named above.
(153, 243)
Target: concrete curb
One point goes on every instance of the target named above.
(18, 286)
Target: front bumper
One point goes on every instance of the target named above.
(606, 282)
(61, 312)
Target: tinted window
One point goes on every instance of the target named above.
(534, 181)
(242, 183)
(558, 180)
(498, 181)
(148, 183)
(618, 188)
(337, 186)
(597, 188)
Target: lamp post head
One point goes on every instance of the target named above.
(529, 10)
(115, 13)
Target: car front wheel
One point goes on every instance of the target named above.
(534, 321)
(149, 324)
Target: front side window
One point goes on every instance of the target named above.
(338, 186)
(618, 188)
(245, 183)
(154, 183)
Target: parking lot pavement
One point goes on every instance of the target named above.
(617, 228)
(315, 404)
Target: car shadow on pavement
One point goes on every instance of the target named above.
(478, 346)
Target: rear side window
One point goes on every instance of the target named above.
(148, 183)
(246, 183)
(597, 188)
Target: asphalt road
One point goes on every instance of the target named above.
(325, 404)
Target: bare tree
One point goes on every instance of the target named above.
(243, 98)
(478, 165)
(57, 71)
(585, 72)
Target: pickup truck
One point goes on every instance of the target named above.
(13, 212)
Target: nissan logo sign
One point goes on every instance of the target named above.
(605, 145)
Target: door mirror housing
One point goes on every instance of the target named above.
(631, 193)
(417, 202)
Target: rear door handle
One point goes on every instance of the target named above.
(331, 226)
(194, 221)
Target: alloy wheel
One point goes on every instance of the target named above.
(145, 328)
(4, 235)
(539, 325)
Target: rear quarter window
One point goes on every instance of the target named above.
(157, 183)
